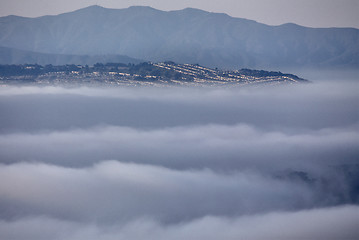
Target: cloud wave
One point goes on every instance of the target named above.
(254, 163)
(112, 191)
(317, 224)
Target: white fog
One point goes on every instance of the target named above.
(276, 162)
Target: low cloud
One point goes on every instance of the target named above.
(251, 163)
(287, 108)
(218, 147)
(114, 191)
(317, 224)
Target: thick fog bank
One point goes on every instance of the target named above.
(276, 162)
(308, 106)
(316, 224)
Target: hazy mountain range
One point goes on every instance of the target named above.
(16, 56)
(97, 34)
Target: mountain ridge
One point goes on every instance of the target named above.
(188, 35)
(17, 56)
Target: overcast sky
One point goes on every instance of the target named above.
(313, 13)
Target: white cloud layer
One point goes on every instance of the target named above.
(213, 146)
(114, 191)
(317, 224)
(254, 163)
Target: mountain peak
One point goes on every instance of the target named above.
(91, 8)
(143, 9)
(95, 7)
(190, 11)
(195, 10)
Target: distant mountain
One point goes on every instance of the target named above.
(15, 56)
(189, 35)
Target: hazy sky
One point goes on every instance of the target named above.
(314, 13)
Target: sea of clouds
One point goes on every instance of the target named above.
(275, 162)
